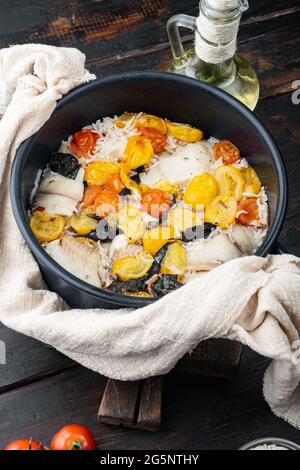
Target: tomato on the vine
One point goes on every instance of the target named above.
(24, 444)
(157, 138)
(73, 437)
(83, 143)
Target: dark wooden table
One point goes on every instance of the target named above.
(41, 390)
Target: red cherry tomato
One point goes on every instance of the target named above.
(156, 202)
(250, 208)
(24, 444)
(227, 151)
(158, 140)
(83, 143)
(73, 437)
(114, 183)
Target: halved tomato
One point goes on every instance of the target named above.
(83, 143)
(138, 151)
(253, 183)
(154, 239)
(154, 122)
(82, 224)
(132, 267)
(106, 202)
(201, 190)
(221, 211)
(130, 221)
(90, 194)
(231, 181)
(248, 210)
(157, 138)
(114, 183)
(98, 172)
(227, 151)
(174, 261)
(184, 132)
(156, 202)
(46, 227)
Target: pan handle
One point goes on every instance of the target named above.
(278, 249)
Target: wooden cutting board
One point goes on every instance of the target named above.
(138, 404)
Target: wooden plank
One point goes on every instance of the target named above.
(28, 360)
(213, 358)
(149, 415)
(119, 403)
(198, 413)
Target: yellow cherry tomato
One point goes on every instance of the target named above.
(138, 294)
(138, 151)
(97, 172)
(82, 224)
(201, 190)
(221, 211)
(46, 227)
(126, 180)
(164, 185)
(181, 219)
(122, 120)
(253, 183)
(174, 261)
(184, 132)
(130, 221)
(231, 181)
(132, 267)
(154, 239)
(154, 122)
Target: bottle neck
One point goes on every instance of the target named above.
(217, 30)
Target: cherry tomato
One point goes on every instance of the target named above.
(132, 267)
(227, 151)
(138, 151)
(201, 190)
(114, 183)
(250, 207)
(106, 202)
(73, 437)
(148, 120)
(221, 211)
(98, 172)
(158, 139)
(83, 142)
(155, 238)
(231, 181)
(90, 194)
(156, 202)
(183, 132)
(24, 444)
(46, 227)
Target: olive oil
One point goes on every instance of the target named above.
(232, 74)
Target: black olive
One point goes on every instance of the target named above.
(125, 192)
(155, 268)
(136, 178)
(140, 169)
(92, 235)
(133, 285)
(64, 164)
(165, 284)
(197, 232)
(208, 228)
(105, 232)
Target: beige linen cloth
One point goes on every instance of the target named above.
(253, 300)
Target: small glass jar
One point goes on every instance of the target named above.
(283, 444)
